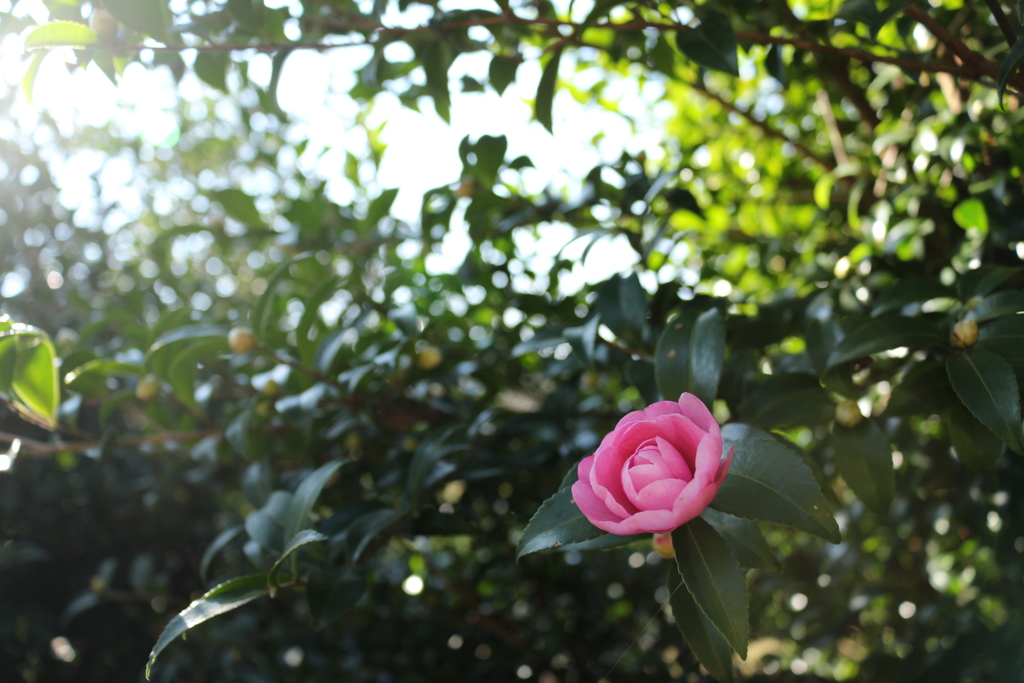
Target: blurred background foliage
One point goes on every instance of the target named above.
(841, 180)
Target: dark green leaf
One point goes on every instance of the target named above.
(822, 337)
(502, 72)
(997, 305)
(714, 579)
(706, 642)
(672, 364)
(925, 390)
(888, 14)
(1009, 67)
(707, 355)
(306, 495)
(224, 598)
(712, 44)
(546, 90)
(745, 540)
(908, 291)
(261, 312)
(793, 398)
(864, 458)
(984, 279)
(328, 604)
(266, 526)
(986, 384)
(437, 59)
(426, 458)
(557, 522)
(1005, 337)
(239, 206)
(975, 444)
(771, 483)
(300, 539)
(885, 334)
(218, 544)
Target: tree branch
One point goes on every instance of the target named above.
(1001, 20)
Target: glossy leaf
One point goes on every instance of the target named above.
(864, 458)
(35, 380)
(546, 91)
(996, 306)
(887, 333)
(306, 495)
(1009, 66)
(707, 355)
(706, 642)
(745, 540)
(304, 537)
(712, 44)
(218, 544)
(986, 385)
(792, 398)
(768, 481)
(974, 443)
(557, 522)
(714, 579)
(224, 598)
(61, 34)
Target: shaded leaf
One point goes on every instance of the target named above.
(557, 522)
(224, 598)
(546, 91)
(300, 539)
(745, 540)
(768, 481)
(975, 444)
(986, 385)
(714, 579)
(864, 458)
(712, 44)
(706, 642)
(218, 544)
(885, 334)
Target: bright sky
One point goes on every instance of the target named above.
(422, 150)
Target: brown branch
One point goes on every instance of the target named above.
(765, 128)
(1001, 20)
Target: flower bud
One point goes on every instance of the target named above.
(964, 335)
(241, 339)
(663, 546)
(147, 388)
(429, 358)
(848, 414)
(271, 388)
(265, 408)
(105, 25)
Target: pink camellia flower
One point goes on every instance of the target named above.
(658, 469)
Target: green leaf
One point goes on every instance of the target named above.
(707, 355)
(218, 544)
(425, 459)
(975, 444)
(94, 372)
(267, 525)
(925, 390)
(211, 68)
(971, 213)
(437, 59)
(1009, 67)
(706, 642)
(61, 34)
(502, 72)
(546, 90)
(300, 539)
(768, 481)
(1005, 337)
(984, 279)
(35, 380)
(888, 14)
(822, 337)
(675, 357)
(996, 306)
(714, 579)
(328, 601)
(986, 384)
(792, 398)
(884, 334)
(864, 458)
(909, 291)
(745, 540)
(712, 44)
(223, 598)
(28, 81)
(367, 527)
(151, 17)
(557, 522)
(306, 494)
(239, 206)
(260, 316)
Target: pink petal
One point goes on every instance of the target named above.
(693, 408)
(684, 436)
(660, 495)
(591, 506)
(660, 408)
(675, 462)
(709, 458)
(649, 521)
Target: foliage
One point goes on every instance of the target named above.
(837, 194)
